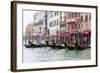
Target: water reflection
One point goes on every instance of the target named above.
(46, 54)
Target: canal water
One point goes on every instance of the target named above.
(46, 54)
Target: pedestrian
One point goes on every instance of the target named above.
(65, 44)
(29, 42)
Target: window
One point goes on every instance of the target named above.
(75, 15)
(65, 17)
(50, 24)
(72, 15)
(61, 18)
(86, 18)
(54, 23)
(60, 13)
(81, 18)
(72, 27)
(69, 16)
(90, 17)
(57, 21)
(51, 15)
(55, 13)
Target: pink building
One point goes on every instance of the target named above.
(85, 21)
(72, 22)
(79, 25)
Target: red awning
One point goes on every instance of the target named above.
(86, 33)
(66, 34)
(60, 35)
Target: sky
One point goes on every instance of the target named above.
(27, 18)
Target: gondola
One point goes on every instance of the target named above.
(79, 47)
(28, 46)
(71, 47)
(57, 46)
(82, 47)
(35, 46)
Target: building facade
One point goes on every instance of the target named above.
(77, 24)
(53, 25)
(53, 22)
(40, 24)
(62, 26)
(72, 22)
(29, 32)
(86, 26)
(85, 21)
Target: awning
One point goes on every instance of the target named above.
(60, 35)
(67, 35)
(86, 33)
(64, 35)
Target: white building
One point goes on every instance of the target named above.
(62, 22)
(56, 24)
(53, 22)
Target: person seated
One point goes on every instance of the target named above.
(65, 44)
(29, 42)
(76, 43)
(54, 44)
